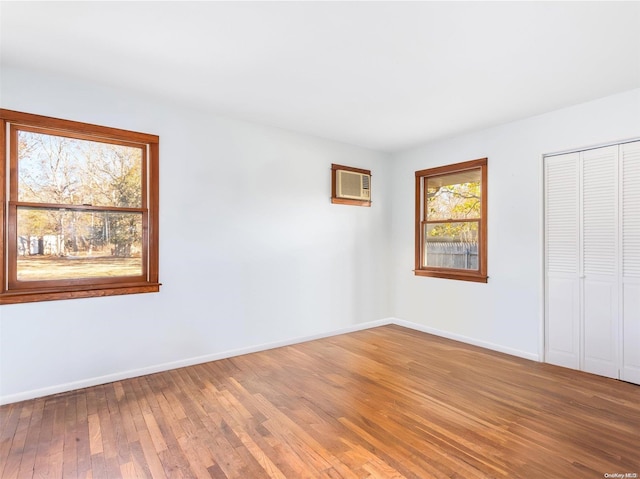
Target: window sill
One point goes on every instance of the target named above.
(346, 201)
(461, 276)
(25, 296)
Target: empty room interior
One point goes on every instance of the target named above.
(320, 239)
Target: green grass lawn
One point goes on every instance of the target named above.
(35, 268)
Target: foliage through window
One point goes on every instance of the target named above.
(451, 221)
(80, 217)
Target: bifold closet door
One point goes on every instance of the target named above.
(599, 271)
(562, 260)
(630, 217)
(592, 260)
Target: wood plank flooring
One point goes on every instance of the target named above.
(387, 402)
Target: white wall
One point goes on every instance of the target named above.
(505, 314)
(252, 252)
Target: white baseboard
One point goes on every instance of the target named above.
(132, 373)
(466, 339)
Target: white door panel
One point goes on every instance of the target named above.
(631, 331)
(600, 327)
(562, 322)
(562, 235)
(600, 260)
(630, 198)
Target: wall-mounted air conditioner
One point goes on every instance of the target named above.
(352, 185)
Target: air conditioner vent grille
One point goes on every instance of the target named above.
(353, 185)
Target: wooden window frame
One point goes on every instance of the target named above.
(13, 291)
(334, 192)
(421, 176)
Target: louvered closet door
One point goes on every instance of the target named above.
(600, 261)
(630, 200)
(562, 302)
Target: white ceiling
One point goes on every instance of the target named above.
(383, 75)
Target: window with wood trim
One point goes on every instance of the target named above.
(451, 221)
(79, 213)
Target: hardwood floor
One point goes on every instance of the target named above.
(387, 402)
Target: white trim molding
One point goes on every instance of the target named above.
(132, 373)
(466, 339)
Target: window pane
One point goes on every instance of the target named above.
(54, 244)
(451, 245)
(454, 196)
(60, 170)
